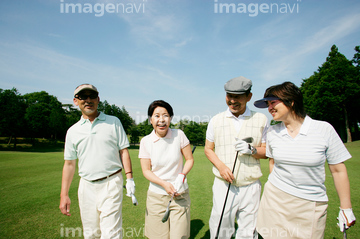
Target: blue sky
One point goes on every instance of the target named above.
(180, 51)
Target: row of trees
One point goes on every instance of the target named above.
(40, 115)
(331, 94)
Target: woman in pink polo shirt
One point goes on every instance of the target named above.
(161, 153)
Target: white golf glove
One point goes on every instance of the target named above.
(179, 181)
(346, 218)
(242, 146)
(130, 187)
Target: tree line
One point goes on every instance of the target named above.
(331, 94)
(41, 115)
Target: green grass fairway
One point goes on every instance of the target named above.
(30, 188)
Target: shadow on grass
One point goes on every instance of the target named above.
(196, 225)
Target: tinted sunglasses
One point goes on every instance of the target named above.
(85, 96)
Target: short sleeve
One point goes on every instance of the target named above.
(336, 151)
(143, 151)
(264, 133)
(123, 139)
(210, 131)
(268, 143)
(69, 150)
(184, 141)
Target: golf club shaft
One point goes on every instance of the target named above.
(227, 194)
(247, 140)
(193, 149)
(345, 235)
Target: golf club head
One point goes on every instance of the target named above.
(248, 140)
(167, 212)
(166, 215)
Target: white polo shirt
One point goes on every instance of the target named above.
(300, 162)
(96, 145)
(165, 155)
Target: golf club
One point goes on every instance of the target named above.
(133, 198)
(247, 140)
(167, 212)
(345, 235)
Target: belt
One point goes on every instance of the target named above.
(100, 179)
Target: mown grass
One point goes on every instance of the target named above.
(30, 187)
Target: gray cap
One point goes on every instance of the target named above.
(238, 85)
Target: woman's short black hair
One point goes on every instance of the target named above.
(160, 103)
(290, 95)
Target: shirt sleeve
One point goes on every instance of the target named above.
(268, 144)
(143, 152)
(336, 151)
(123, 139)
(184, 141)
(69, 150)
(210, 131)
(264, 133)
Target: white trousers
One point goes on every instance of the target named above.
(100, 207)
(242, 203)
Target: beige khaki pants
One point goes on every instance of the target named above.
(178, 224)
(100, 207)
(282, 215)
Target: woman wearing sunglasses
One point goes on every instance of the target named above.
(294, 200)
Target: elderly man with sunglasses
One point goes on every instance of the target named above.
(100, 144)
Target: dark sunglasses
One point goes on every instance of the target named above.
(84, 96)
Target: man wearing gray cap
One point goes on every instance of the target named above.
(100, 144)
(236, 188)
